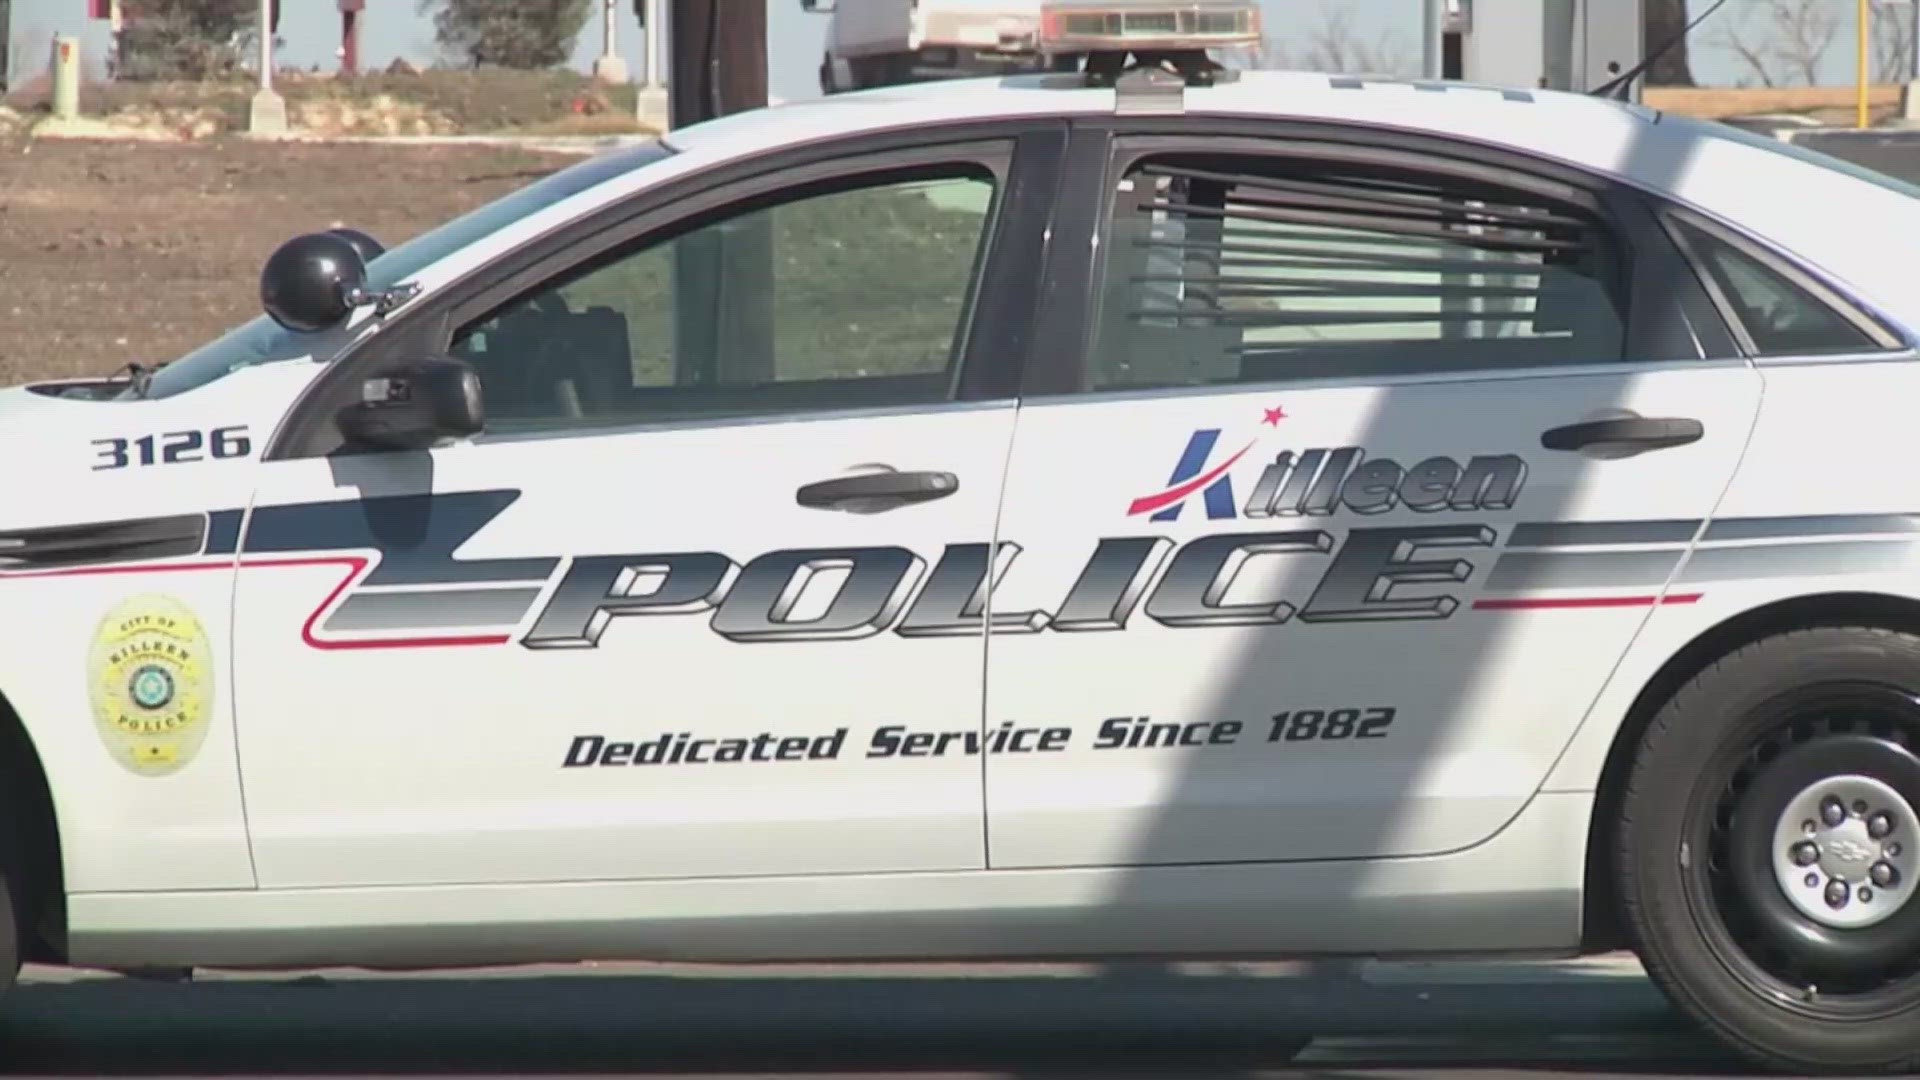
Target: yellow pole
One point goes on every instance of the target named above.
(1865, 72)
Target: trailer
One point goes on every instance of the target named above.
(885, 42)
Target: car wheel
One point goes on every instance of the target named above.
(10, 889)
(1768, 850)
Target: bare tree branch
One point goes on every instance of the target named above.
(1892, 43)
(1806, 31)
(1336, 49)
(1739, 39)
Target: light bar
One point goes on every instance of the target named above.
(1158, 25)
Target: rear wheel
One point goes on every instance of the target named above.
(12, 892)
(1768, 850)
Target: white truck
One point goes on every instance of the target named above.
(886, 42)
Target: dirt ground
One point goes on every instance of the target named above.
(113, 252)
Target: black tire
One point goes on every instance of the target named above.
(12, 898)
(1700, 886)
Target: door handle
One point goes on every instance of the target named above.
(1636, 433)
(873, 492)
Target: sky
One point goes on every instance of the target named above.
(398, 28)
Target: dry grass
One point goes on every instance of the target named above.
(433, 102)
(114, 251)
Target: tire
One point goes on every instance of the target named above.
(12, 889)
(1782, 922)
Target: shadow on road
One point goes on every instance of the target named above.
(1118, 1022)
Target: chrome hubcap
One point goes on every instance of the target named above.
(1844, 851)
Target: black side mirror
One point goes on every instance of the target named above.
(312, 282)
(417, 406)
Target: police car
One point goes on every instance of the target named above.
(1143, 510)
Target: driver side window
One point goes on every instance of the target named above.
(853, 297)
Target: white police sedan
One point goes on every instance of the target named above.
(1064, 516)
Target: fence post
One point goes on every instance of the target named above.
(66, 76)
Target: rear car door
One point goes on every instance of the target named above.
(653, 621)
(1370, 463)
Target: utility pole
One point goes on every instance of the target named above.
(1913, 41)
(350, 11)
(652, 99)
(719, 63)
(1433, 29)
(723, 274)
(610, 68)
(268, 115)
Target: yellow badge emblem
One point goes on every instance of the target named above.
(149, 677)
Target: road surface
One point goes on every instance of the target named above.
(1577, 1018)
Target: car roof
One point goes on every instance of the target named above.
(1497, 114)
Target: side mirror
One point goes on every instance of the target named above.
(369, 248)
(312, 282)
(417, 406)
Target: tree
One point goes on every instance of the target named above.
(1334, 47)
(1892, 43)
(185, 39)
(1665, 20)
(524, 34)
(1791, 44)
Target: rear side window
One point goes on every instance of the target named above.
(1247, 269)
(1776, 316)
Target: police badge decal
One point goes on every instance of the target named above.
(149, 682)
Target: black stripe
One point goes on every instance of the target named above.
(129, 540)
(437, 609)
(1787, 528)
(223, 532)
(416, 536)
(1582, 570)
(1796, 560)
(1595, 533)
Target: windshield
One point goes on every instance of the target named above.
(261, 340)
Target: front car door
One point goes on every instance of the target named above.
(1375, 461)
(696, 604)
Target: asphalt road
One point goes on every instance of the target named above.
(1894, 152)
(1591, 1019)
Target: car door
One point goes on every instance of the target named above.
(1374, 462)
(655, 620)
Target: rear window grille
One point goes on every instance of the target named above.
(1216, 272)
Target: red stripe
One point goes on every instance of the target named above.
(1543, 603)
(354, 564)
(1150, 503)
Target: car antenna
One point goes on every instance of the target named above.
(1619, 86)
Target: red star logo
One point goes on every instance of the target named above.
(1274, 416)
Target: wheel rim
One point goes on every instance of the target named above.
(1841, 757)
(1843, 851)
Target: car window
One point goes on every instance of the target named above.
(846, 298)
(260, 340)
(1234, 269)
(1780, 317)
